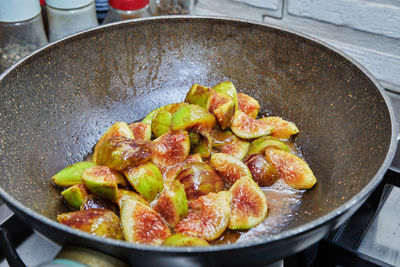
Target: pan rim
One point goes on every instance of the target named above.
(286, 234)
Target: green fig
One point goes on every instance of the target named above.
(281, 128)
(228, 88)
(184, 240)
(249, 128)
(259, 145)
(161, 123)
(141, 131)
(248, 105)
(229, 168)
(199, 95)
(190, 116)
(71, 175)
(101, 182)
(75, 195)
(171, 148)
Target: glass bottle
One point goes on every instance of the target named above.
(127, 9)
(171, 7)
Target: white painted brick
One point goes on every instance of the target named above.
(379, 16)
(269, 4)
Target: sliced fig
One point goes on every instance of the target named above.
(238, 148)
(192, 116)
(249, 204)
(127, 194)
(101, 182)
(146, 179)
(228, 88)
(259, 145)
(264, 174)
(71, 175)
(117, 129)
(248, 105)
(141, 131)
(292, 169)
(224, 113)
(249, 128)
(99, 222)
(208, 216)
(172, 172)
(282, 129)
(142, 225)
(171, 108)
(184, 240)
(199, 95)
(95, 202)
(172, 204)
(75, 195)
(221, 138)
(119, 153)
(202, 146)
(121, 180)
(161, 123)
(229, 168)
(171, 148)
(199, 179)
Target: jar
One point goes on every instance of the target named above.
(70, 16)
(21, 30)
(127, 9)
(171, 7)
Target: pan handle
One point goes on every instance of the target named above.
(9, 250)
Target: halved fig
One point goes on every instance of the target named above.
(117, 129)
(161, 123)
(75, 195)
(142, 225)
(199, 95)
(171, 108)
(172, 172)
(221, 138)
(141, 131)
(248, 105)
(208, 216)
(171, 148)
(99, 222)
(249, 128)
(202, 146)
(292, 169)
(199, 179)
(119, 153)
(71, 175)
(184, 240)
(101, 182)
(224, 112)
(259, 145)
(190, 116)
(172, 203)
(228, 88)
(249, 205)
(121, 180)
(238, 148)
(95, 202)
(127, 194)
(146, 179)
(264, 174)
(229, 168)
(282, 129)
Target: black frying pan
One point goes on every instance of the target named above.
(57, 103)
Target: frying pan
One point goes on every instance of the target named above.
(57, 102)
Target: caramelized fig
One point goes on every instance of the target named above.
(221, 138)
(95, 202)
(99, 222)
(119, 153)
(248, 105)
(223, 108)
(141, 131)
(75, 195)
(146, 179)
(249, 205)
(238, 148)
(228, 88)
(199, 179)
(229, 168)
(142, 225)
(199, 95)
(161, 123)
(117, 129)
(71, 175)
(190, 116)
(282, 129)
(208, 216)
(264, 174)
(259, 145)
(249, 128)
(171, 148)
(184, 240)
(121, 180)
(101, 182)
(203, 144)
(171, 108)
(292, 169)
(127, 194)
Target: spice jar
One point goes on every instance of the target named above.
(127, 9)
(70, 16)
(171, 7)
(21, 30)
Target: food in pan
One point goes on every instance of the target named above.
(185, 174)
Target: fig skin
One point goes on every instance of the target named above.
(171, 108)
(202, 144)
(248, 105)
(229, 168)
(199, 95)
(141, 131)
(264, 174)
(192, 116)
(200, 179)
(282, 129)
(161, 123)
(75, 195)
(171, 148)
(95, 202)
(221, 138)
(228, 88)
(101, 222)
(101, 182)
(127, 194)
(71, 175)
(248, 128)
(259, 145)
(184, 240)
(292, 169)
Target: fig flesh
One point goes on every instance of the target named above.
(229, 168)
(237, 148)
(171, 148)
(141, 131)
(101, 182)
(184, 240)
(264, 174)
(249, 128)
(282, 129)
(248, 105)
(223, 108)
(71, 175)
(75, 195)
(228, 88)
(127, 194)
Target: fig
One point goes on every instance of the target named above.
(259, 145)
(171, 108)
(199, 95)
(101, 182)
(172, 203)
(75, 195)
(228, 88)
(202, 144)
(142, 225)
(192, 116)
(249, 205)
(171, 148)
(249, 128)
(71, 175)
(194, 138)
(141, 131)
(146, 179)
(127, 194)
(117, 129)
(248, 105)
(282, 129)
(229, 168)
(172, 171)
(99, 222)
(264, 174)
(184, 240)
(238, 148)
(199, 179)
(161, 123)
(119, 153)
(221, 138)
(292, 169)
(208, 216)
(121, 180)
(95, 202)
(223, 108)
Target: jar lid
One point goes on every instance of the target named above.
(128, 4)
(68, 4)
(18, 10)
